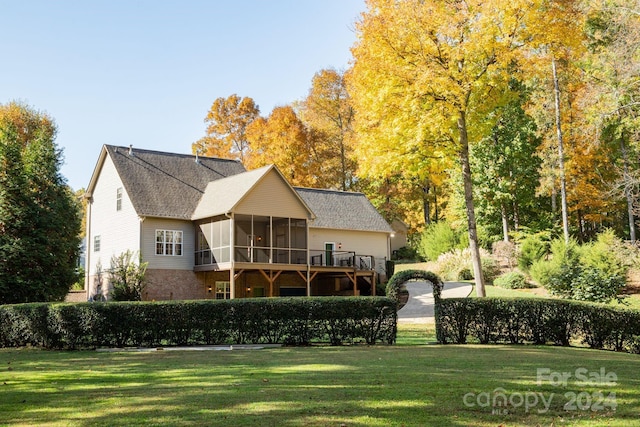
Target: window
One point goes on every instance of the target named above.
(96, 244)
(223, 290)
(119, 199)
(169, 242)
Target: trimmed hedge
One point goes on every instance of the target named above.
(401, 277)
(537, 321)
(291, 321)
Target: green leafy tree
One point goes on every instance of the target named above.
(39, 215)
(127, 276)
(506, 166)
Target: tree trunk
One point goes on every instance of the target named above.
(563, 181)
(468, 199)
(426, 205)
(516, 216)
(505, 222)
(627, 192)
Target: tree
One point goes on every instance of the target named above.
(612, 66)
(327, 111)
(127, 276)
(427, 73)
(39, 215)
(507, 166)
(227, 121)
(283, 140)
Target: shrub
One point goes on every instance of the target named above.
(533, 248)
(609, 254)
(537, 321)
(401, 277)
(456, 264)
(261, 320)
(127, 277)
(437, 239)
(465, 274)
(405, 253)
(589, 273)
(512, 280)
(505, 251)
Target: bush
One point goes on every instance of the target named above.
(401, 277)
(456, 264)
(594, 272)
(512, 280)
(405, 253)
(465, 274)
(537, 321)
(260, 320)
(437, 239)
(505, 251)
(533, 248)
(127, 277)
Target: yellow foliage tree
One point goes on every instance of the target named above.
(425, 77)
(327, 111)
(283, 140)
(227, 121)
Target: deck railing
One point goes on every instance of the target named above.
(319, 257)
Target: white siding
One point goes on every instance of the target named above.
(119, 231)
(360, 242)
(272, 197)
(168, 262)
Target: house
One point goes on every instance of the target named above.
(210, 229)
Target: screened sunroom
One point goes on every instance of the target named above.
(254, 239)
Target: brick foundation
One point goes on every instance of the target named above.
(173, 285)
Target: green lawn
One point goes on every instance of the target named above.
(410, 384)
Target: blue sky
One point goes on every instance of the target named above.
(146, 72)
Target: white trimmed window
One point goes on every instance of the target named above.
(223, 290)
(119, 199)
(169, 242)
(96, 244)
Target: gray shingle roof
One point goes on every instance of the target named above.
(343, 210)
(167, 185)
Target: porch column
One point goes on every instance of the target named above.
(232, 281)
(232, 272)
(308, 259)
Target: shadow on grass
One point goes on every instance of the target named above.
(317, 386)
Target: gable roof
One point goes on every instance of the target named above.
(163, 184)
(223, 195)
(343, 210)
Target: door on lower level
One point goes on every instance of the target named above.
(329, 247)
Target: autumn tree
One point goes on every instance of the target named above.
(39, 215)
(328, 113)
(283, 140)
(612, 65)
(427, 73)
(227, 121)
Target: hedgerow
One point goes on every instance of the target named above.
(537, 321)
(292, 321)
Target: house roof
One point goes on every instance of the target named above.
(343, 210)
(163, 184)
(169, 185)
(222, 195)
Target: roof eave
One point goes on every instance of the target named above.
(96, 172)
